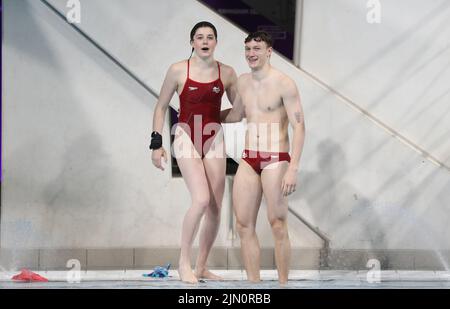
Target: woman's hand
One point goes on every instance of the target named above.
(157, 154)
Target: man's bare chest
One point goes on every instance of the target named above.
(263, 98)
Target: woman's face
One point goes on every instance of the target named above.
(204, 42)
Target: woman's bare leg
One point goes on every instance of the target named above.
(215, 168)
(193, 171)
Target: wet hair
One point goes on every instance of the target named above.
(202, 24)
(260, 36)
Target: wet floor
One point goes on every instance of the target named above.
(235, 279)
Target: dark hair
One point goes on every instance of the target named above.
(260, 36)
(202, 24)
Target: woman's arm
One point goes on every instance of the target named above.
(168, 88)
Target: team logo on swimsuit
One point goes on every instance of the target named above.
(244, 155)
(193, 88)
(216, 89)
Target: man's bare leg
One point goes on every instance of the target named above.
(277, 210)
(215, 167)
(247, 194)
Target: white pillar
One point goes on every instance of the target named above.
(298, 31)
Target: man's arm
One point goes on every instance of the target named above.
(231, 82)
(236, 113)
(294, 109)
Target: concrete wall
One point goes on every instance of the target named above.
(77, 173)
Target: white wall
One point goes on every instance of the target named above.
(359, 184)
(398, 70)
(76, 165)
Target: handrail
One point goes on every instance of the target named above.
(326, 241)
(104, 51)
(378, 122)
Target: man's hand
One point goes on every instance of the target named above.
(289, 182)
(156, 157)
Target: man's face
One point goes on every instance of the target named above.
(257, 54)
(204, 42)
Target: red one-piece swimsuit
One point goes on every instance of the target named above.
(199, 116)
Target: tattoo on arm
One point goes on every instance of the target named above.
(298, 117)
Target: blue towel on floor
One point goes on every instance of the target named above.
(159, 272)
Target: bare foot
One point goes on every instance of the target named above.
(283, 283)
(187, 275)
(206, 274)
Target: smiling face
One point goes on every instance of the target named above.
(257, 54)
(204, 42)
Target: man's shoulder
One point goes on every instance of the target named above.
(283, 80)
(243, 80)
(244, 77)
(281, 76)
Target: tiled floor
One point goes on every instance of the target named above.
(235, 279)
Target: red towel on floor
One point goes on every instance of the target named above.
(29, 276)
